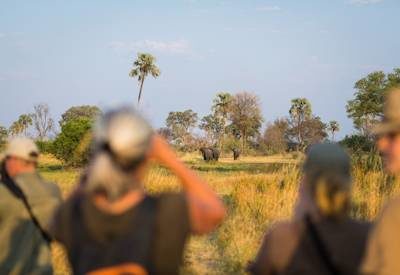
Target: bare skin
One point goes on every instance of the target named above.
(15, 166)
(389, 146)
(205, 208)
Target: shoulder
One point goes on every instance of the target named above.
(392, 208)
(283, 230)
(278, 247)
(65, 216)
(172, 200)
(389, 219)
(173, 210)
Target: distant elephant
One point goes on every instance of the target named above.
(207, 153)
(236, 153)
(216, 154)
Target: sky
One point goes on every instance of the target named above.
(68, 53)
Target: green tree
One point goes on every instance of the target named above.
(366, 109)
(314, 131)
(220, 108)
(181, 124)
(300, 112)
(84, 111)
(275, 136)
(213, 125)
(142, 67)
(68, 142)
(16, 128)
(21, 125)
(25, 121)
(333, 127)
(245, 116)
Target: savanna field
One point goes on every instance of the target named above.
(257, 191)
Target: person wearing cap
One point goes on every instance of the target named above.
(383, 251)
(110, 225)
(27, 204)
(321, 238)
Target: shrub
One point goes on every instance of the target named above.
(45, 146)
(68, 145)
(357, 143)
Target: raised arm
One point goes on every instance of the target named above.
(206, 210)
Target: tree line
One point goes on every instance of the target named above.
(234, 121)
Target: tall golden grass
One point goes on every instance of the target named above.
(257, 191)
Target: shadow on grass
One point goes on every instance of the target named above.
(251, 168)
(50, 168)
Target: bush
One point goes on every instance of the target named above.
(68, 146)
(357, 143)
(45, 146)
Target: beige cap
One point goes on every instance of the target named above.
(126, 133)
(391, 121)
(23, 148)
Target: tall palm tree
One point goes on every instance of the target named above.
(221, 107)
(142, 67)
(25, 120)
(333, 127)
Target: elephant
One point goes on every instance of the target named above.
(210, 153)
(216, 154)
(236, 153)
(207, 153)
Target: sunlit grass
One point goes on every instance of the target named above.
(257, 191)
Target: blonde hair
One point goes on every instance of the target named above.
(331, 194)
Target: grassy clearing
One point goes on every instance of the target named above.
(257, 191)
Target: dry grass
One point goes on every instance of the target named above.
(257, 191)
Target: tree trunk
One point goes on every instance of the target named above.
(140, 90)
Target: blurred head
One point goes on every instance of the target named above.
(21, 156)
(121, 142)
(328, 179)
(388, 132)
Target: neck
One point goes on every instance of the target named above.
(129, 200)
(26, 170)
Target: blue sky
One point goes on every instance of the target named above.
(67, 53)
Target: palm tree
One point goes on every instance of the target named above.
(221, 106)
(142, 67)
(300, 112)
(333, 126)
(25, 120)
(21, 125)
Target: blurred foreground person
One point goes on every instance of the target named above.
(111, 225)
(383, 252)
(321, 238)
(27, 204)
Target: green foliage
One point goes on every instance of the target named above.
(357, 143)
(45, 146)
(304, 128)
(275, 138)
(366, 109)
(181, 124)
(67, 143)
(76, 112)
(245, 116)
(21, 125)
(142, 67)
(213, 125)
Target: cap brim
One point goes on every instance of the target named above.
(386, 127)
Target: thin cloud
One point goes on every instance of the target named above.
(172, 47)
(269, 8)
(2, 35)
(365, 2)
